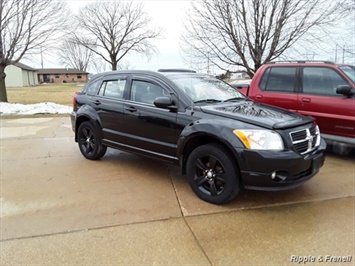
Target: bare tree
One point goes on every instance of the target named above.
(99, 65)
(74, 55)
(344, 42)
(249, 33)
(115, 28)
(25, 26)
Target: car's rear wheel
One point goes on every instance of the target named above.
(89, 142)
(212, 174)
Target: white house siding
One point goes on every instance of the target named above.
(14, 77)
(18, 77)
(34, 78)
(29, 78)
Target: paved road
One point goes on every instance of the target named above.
(58, 208)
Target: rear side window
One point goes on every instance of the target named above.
(113, 88)
(92, 87)
(281, 79)
(321, 81)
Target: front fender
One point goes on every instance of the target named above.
(207, 131)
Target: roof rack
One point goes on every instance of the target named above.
(301, 62)
(177, 70)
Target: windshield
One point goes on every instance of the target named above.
(349, 71)
(206, 89)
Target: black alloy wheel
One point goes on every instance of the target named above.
(212, 174)
(89, 142)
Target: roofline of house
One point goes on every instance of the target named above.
(54, 71)
(24, 67)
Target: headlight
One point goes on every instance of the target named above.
(260, 139)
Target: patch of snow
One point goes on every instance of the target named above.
(31, 109)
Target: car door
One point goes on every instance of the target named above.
(148, 129)
(334, 113)
(108, 103)
(278, 87)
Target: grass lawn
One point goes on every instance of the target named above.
(57, 93)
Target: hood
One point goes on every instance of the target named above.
(258, 114)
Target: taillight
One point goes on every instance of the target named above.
(74, 100)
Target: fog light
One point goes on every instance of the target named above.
(279, 176)
(273, 175)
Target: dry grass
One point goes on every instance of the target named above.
(57, 93)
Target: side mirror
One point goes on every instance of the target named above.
(345, 90)
(165, 102)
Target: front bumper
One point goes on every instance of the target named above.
(279, 170)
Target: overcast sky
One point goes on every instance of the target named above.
(168, 15)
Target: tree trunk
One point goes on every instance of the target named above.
(3, 94)
(114, 65)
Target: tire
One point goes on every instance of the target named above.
(89, 142)
(212, 174)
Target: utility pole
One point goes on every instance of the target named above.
(41, 57)
(313, 54)
(208, 64)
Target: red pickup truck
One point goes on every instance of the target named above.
(323, 90)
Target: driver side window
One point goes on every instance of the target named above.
(321, 81)
(146, 92)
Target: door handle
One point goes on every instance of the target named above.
(97, 102)
(258, 96)
(306, 100)
(131, 109)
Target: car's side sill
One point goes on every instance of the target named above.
(140, 151)
(347, 140)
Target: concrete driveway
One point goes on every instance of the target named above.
(57, 208)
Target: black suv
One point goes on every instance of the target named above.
(222, 140)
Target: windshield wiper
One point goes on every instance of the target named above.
(208, 101)
(235, 99)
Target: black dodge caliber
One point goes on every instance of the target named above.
(222, 140)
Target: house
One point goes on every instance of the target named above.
(20, 75)
(240, 75)
(61, 75)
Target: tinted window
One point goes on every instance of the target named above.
(321, 80)
(279, 79)
(146, 92)
(264, 79)
(91, 88)
(113, 88)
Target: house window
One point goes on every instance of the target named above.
(57, 76)
(78, 76)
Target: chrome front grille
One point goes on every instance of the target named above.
(305, 140)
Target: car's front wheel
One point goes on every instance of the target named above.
(89, 142)
(212, 174)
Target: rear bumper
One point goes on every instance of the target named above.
(73, 120)
(279, 170)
